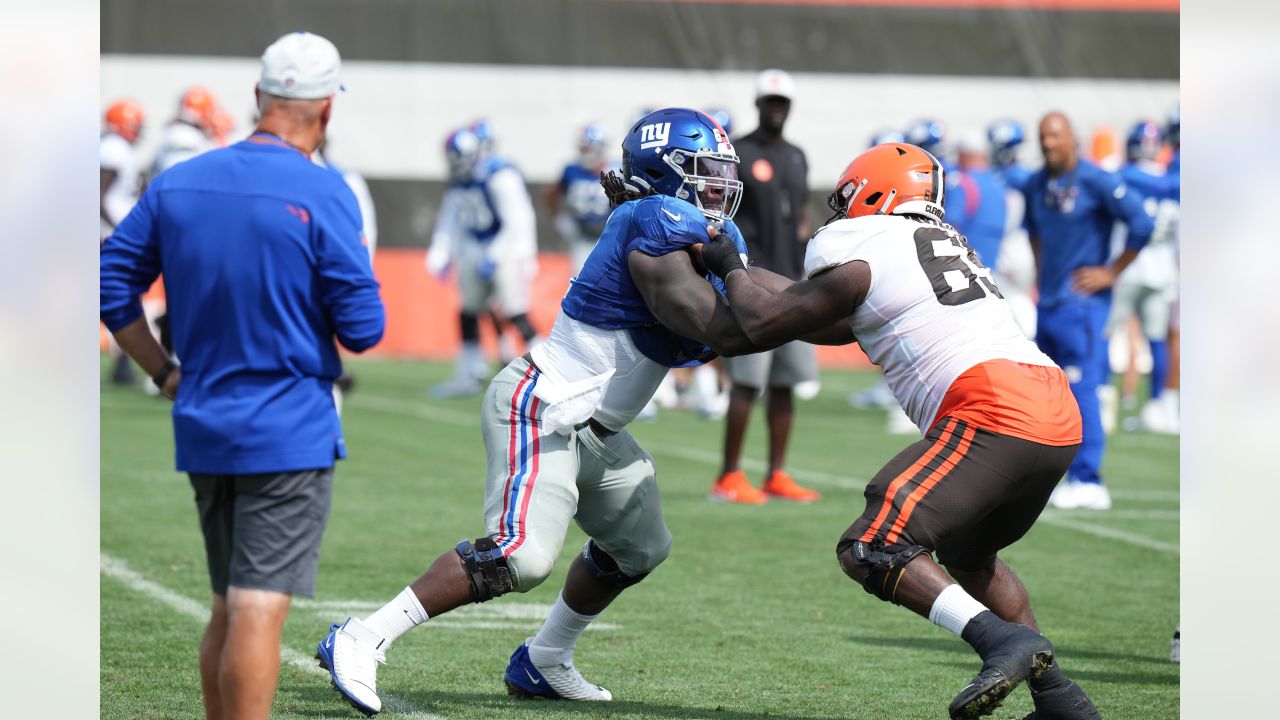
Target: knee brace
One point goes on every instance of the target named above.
(605, 569)
(469, 325)
(884, 569)
(486, 569)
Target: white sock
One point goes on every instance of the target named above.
(559, 634)
(397, 617)
(954, 608)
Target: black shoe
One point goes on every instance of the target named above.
(1017, 654)
(1063, 703)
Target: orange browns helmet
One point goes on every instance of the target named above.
(893, 178)
(197, 107)
(124, 118)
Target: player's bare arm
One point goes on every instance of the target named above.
(837, 333)
(686, 304)
(772, 318)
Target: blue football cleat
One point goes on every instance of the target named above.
(554, 681)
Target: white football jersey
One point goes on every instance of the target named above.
(932, 311)
(180, 141)
(116, 153)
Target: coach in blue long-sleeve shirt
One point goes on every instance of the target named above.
(1072, 206)
(263, 264)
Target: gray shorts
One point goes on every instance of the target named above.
(785, 366)
(263, 531)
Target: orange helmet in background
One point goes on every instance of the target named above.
(892, 179)
(197, 107)
(124, 118)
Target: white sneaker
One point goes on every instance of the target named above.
(878, 395)
(350, 653)
(1076, 495)
(807, 390)
(552, 675)
(1063, 496)
(1161, 415)
(1092, 496)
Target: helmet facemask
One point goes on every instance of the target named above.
(709, 181)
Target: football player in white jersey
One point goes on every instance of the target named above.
(121, 183)
(190, 133)
(1000, 423)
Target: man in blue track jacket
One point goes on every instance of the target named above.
(264, 264)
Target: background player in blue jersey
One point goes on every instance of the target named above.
(1148, 288)
(1072, 206)
(577, 201)
(975, 199)
(487, 230)
(1006, 137)
(554, 420)
(932, 136)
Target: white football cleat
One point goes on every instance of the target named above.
(350, 652)
(1076, 495)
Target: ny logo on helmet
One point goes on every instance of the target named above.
(656, 135)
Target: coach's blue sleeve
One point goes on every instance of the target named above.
(1126, 206)
(349, 290)
(128, 263)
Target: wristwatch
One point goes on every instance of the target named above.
(160, 377)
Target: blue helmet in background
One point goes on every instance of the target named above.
(591, 143)
(484, 133)
(928, 134)
(685, 154)
(1144, 141)
(462, 151)
(722, 116)
(881, 137)
(1005, 137)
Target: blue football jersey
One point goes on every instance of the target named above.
(603, 293)
(477, 213)
(585, 199)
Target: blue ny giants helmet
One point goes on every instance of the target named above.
(685, 154)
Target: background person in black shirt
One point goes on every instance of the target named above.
(775, 222)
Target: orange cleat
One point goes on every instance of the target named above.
(783, 487)
(733, 487)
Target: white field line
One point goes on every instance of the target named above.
(1111, 534)
(118, 570)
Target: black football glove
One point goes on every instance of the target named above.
(619, 190)
(721, 256)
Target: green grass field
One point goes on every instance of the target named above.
(749, 618)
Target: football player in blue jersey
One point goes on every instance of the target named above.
(486, 228)
(1148, 288)
(932, 136)
(1006, 136)
(1072, 206)
(881, 137)
(578, 202)
(554, 421)
(975, 198)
